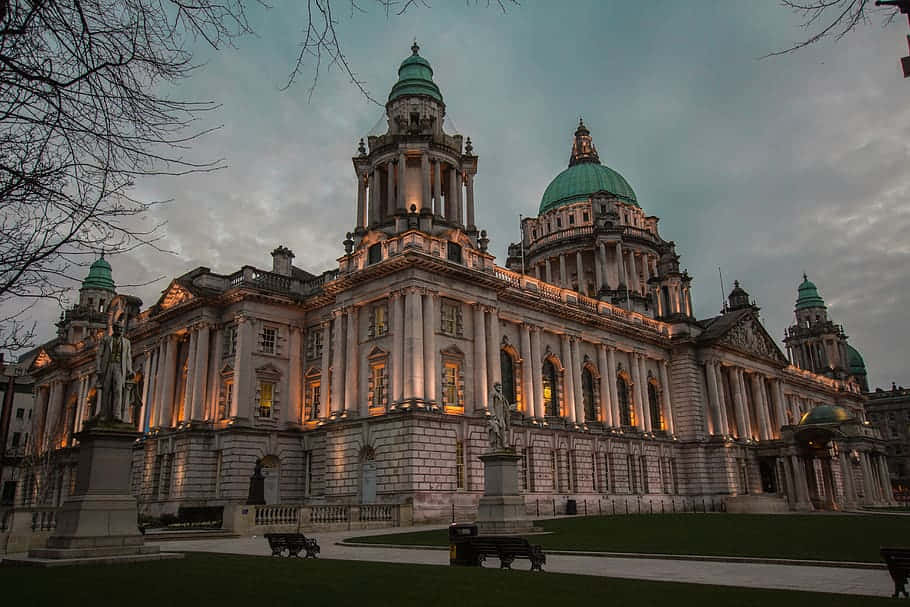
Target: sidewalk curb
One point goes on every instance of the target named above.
(671, 557)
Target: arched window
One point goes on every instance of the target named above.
(626, 415)
(587, 394)
(507, 367)
(657, 418)
(550, 389)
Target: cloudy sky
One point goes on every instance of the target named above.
(767, 168)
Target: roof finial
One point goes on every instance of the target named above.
(415, 47)
(804, 276)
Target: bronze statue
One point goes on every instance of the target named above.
(499, 420)
(114, 374)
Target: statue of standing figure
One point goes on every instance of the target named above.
(499, 420)
(114, 374)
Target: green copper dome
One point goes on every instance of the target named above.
(855, 361)
(99, 276)
(415, 77)
(580, 181)
(808, 296)
(585, 176)
(826, 414)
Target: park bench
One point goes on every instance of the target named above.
(898, 561)
(293, 543)
(507, 549)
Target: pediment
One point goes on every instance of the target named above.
(377, 352)
(174, 295)
(268, 370)
(42, 360)
(750, 337)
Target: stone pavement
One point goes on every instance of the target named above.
(840, 580)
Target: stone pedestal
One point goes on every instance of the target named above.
(502, 508)
(98, 523)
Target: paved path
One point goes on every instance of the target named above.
(839, 580)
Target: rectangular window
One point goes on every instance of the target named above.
(266, 398)
(229, 343)
(374, 254)
(554, 471)
(268, 339)
(227, 392)
(218, 463)
(559, 222)
(378, 377)
(571, 220)
(313, 399)
(454, 252)
(314, 343)
(9, 493)
(533, 233)
(450, 385)
(20, 413)
(308, 474)
(459, 464)
(608, 477)
(584, 217)
(450, 318)
(16, 438)
(646, 485)
(380, 324)
(630, 471)
(526, 469)
(572, 471)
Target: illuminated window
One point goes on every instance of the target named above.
(626, 414)
(450, 385)
(459, 464)
(267, 339)
(266, 398)
(657, 418)
(587, 394)
(377, 387)
(313, 397)
(379, 324)
(550, 389)
(224, 405)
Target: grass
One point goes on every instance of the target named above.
(823, 537)
(204, 579)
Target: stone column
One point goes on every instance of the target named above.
(665, 394)
(438, 209)
(887, 491)
(201, 372)
(397, 374)
(646, 272)
(429, 347)
(413, 345)
(324, 376)
(581, 272)
(563, 274)
(216, 341)
(146, 383)
(637, 387)
(292, 411)
(537, 271)
(527, 378)
(469, 191)
(620, 268)
(738, 404)
(568, 376)
(537, 373)
(604, 275)
(170, 373)
(606, 403)
(352, 370)
(611, 381)
(390, 193)
(634, 280)
(402, 175)
(777, 395)
(480, 360)
(361, 198)
(426, 202)
(494, 342)
(598, 278)
(190, 377)
(802, 485)
(643, 393)
(714, 398)
(548, 271)
(158, 387)
(338, 359)
(576, 382)
(868, 484)
(451, 208)
(459, 200)
(758, 397)
(374, 196)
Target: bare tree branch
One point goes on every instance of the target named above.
(832, 19)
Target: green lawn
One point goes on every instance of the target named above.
(264, 581)
(823, 537)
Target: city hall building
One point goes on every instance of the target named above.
(369, 382)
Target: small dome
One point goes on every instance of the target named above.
(855, 361)
(826, 414)
(99, 276)
(808, 295)
(415, 77)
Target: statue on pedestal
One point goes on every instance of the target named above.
(499, 420)
(114, 374)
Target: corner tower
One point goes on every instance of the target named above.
(415, 175)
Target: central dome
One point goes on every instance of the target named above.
(585, 176)
(415, 77)
(580, 181)
(826, 414)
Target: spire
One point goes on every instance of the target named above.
(415, 48)
(583, 150)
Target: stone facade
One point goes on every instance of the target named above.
(369, 383)
(889, 411)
